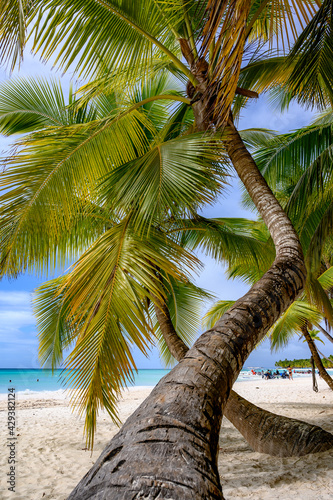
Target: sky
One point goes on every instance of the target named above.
(18, 338)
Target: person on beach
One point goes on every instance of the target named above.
(290, 373)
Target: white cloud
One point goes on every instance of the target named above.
(15, 299)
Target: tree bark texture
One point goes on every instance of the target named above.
(323, 373)
(168, 448)
(274, 434)
(264, 431)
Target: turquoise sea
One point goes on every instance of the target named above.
(42, 380)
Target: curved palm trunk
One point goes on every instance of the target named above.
(274, 434)
(168, 448)
(323, 373)
(324, 332)
(264, 431)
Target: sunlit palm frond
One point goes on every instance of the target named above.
(216, 312)
(255, 138)
(290, 323)
(173, 176)
(13, 17)
(287, 155)
(30, 104)
(94, 35)
(279, 21)
(45, 182)
(326, 279)
(55, 329)
(224, 239)
(317, 296)
(106, 292)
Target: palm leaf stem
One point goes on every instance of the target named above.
(171, 28)
(254, 18)
(323, 356)
(190, 32)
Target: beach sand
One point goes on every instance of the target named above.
(51, 454)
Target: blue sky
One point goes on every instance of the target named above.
(18, 341)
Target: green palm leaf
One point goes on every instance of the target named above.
(46, 181)
(101, 303)
(216, 312)
(312, 78)
(56, 331)
(223, 239)
(298, 314)
(95, 35)
(173, 176)
(13, 16)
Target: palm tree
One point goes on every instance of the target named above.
(291, 162)
(33, 104)
(111, 38)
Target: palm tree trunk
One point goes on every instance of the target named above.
(323, 373)
(274, 434)
(264, 431)
(168, 448)
(324, 332)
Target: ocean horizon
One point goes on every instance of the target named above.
(40, 380)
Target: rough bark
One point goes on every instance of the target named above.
(274, 434)
(175, 344)
(323, 373)
(265, 432)
(168, 448)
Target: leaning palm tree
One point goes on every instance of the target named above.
(204, 43)
(29, 105)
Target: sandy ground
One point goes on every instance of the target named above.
(51, 455)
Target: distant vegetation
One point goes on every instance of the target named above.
(304, 363)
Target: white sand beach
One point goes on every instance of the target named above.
(52, 457)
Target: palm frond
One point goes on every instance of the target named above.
(290, 323)
(173, 176)
(104, 297)
(224, 32)
(30, 104)
(216, 312)
(279, 21)
(311, 80)
(317, 295)
(13, 18)
(223, 239)
(56, 331)
(94, 35)
(46, 181)
(255, 138)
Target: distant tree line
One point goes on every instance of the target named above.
(304, 363)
